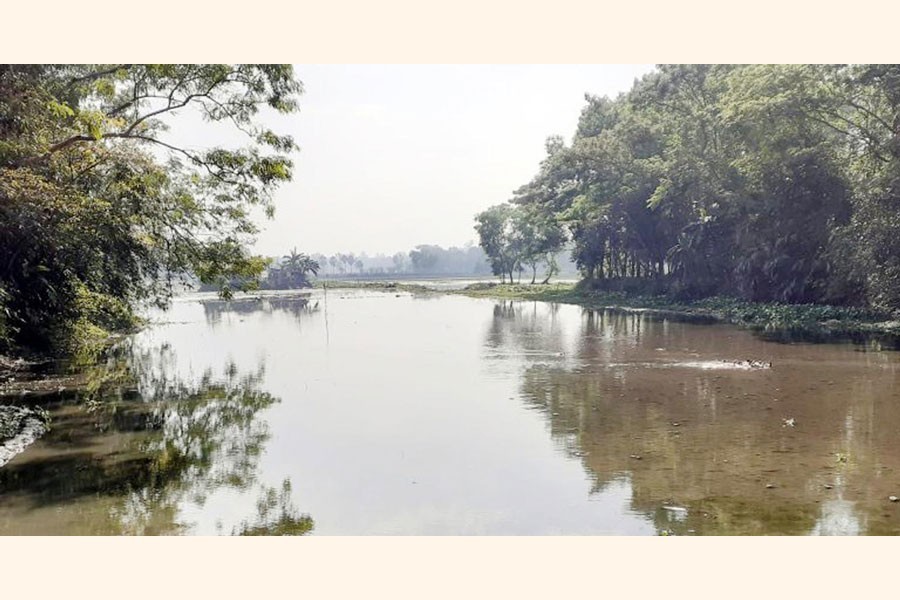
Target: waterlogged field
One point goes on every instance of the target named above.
(362, 412)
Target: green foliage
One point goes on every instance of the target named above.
(771, 183)
(293, 272)
(807, 321)
(99, 212)
(494, 227)
(276, 515)
(514, 237)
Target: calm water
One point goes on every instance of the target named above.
(383, 413)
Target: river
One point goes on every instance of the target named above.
(362, 412)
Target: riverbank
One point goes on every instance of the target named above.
(808, 320)
(377, 286)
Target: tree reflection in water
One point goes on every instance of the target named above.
(276, 515)
(706, 451)
(298, 304)
(129, 454)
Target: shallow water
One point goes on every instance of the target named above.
(390, 413)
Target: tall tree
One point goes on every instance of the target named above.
(101, 210)
(769, 182)
(495, 232)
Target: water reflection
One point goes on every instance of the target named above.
(297, 305)
(276, 515)
(799, 448)
(144, 444)
(462, 416)
(525, 328)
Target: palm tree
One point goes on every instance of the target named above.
(296, 265)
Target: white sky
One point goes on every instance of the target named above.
(400, 155)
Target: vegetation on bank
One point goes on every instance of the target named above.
(101, 210)
(801, 318)
(518, 239)
(806, 319)
(775, 184)
(375, 286)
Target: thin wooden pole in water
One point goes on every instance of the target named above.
(325, 289)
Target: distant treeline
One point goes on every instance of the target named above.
(298, 270)
(771, 183)
(423, 260)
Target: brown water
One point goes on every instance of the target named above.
(399, 414)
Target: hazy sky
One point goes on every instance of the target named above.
(395, 156)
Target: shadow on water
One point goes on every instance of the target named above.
(805, 447)
(811, 333)
(128, 453)
(863, 342)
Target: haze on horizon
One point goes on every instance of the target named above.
(393, 156)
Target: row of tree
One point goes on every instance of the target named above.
(424, 259)
(296, 269)
(769, 182)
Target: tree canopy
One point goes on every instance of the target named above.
(100, 210)
(293, 272)
(768, 182)
(515, 237)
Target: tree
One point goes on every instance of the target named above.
(423, 258)
(346, 262)
(399, 261)
(295, 267)
(101, 211)
(495, 232)
(540, 237)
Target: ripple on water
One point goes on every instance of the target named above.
(739, 365)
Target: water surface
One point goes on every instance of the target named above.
(364, 412)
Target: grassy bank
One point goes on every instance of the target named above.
(376, 286)
(809, 319)
(806, 321)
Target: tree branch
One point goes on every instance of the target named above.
(97, 74)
